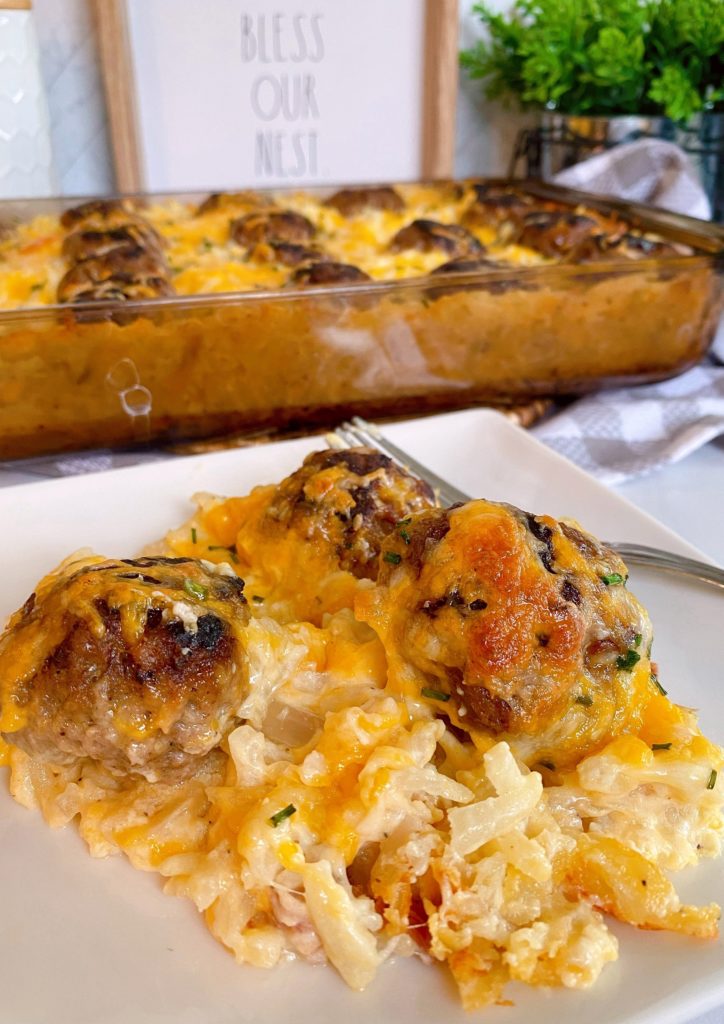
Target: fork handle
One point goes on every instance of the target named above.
(667, 561)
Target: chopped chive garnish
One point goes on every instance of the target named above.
(257, 598)
(628, 660)
(37, 286)
(712, 779)
(613, 579)
(405, 536)
(661, 746)
(222, 547)
(207, 244)
(405, 522)
(195, 590)
(392, 557)
(547, 764)
(584, 699)
(280, 816)
(657, 684)
(193, 534)
(637, 640)
(435, 694)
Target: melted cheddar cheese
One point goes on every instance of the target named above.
(203, 258)
(350, 810)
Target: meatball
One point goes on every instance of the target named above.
(132, 273)
(556, 235)
(472, 266)
(274, 226)
(234, 202)
(127, 239)
(137, 664)
(350, 202)
(467, 266)
(368, 496)
(122, 288)
(430, 236)
(495, 206)
(321, 529)
(520, 625)
(287, 253)
(101, 215)
(328, 272)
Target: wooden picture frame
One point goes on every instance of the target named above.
(438, 92)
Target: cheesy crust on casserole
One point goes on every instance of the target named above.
(236, 242)
(407, 730)
(353, 301)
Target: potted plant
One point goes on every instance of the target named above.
(606, 71)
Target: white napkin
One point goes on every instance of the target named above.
(617, 435)
(646, 171)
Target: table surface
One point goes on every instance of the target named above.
(688, 497)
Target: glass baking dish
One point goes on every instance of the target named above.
(157, 370)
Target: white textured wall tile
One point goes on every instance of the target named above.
(26, 161)
(71, 71)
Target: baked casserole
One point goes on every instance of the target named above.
(349, 724)
(129, 320)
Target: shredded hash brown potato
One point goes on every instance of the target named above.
(350, 812)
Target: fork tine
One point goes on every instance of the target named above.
(335, 440)
(346, 436)
(368, 434)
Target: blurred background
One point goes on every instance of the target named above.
(69, 64)
(180, 84)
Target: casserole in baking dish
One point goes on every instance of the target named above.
(163, 317)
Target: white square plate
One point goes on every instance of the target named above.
(95, 942)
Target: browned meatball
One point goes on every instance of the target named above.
(121, 273)
(328, 272)
(272, 226)
(287, 253)
(309, 539)
(520, 623)
(473, 266)
(136, 663)
(369, 495)
(559, 234)
(352, 201)
(239, 202)
(100, 214)
(119, 289)
(431, 236)
(467, 266)
(129, 238)
(495, 206)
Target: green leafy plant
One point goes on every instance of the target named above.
(604, 56)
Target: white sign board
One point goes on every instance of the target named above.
(231, 93)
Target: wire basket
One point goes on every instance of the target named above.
(562, 140)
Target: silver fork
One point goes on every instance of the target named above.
(360, 432)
